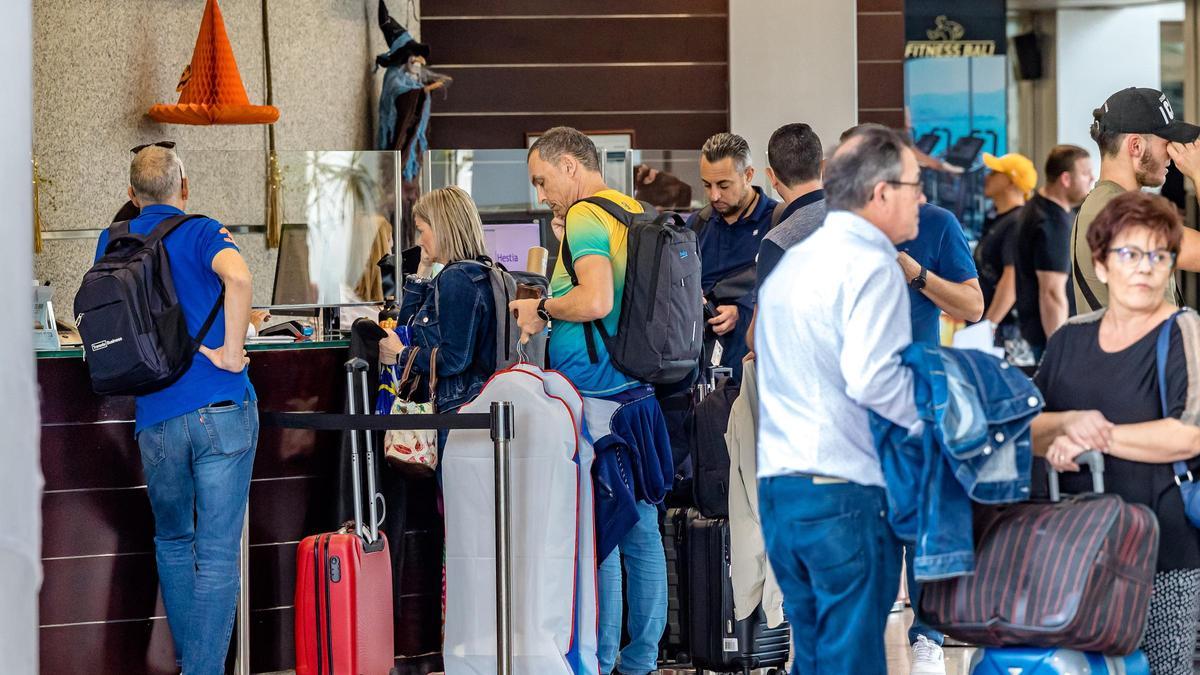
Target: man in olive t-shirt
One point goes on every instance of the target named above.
(1138, 137)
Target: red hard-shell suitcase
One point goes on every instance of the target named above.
(344, 578)
(1075, 574)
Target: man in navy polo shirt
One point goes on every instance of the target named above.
(941, 277)
(198, 436)
(730, 230)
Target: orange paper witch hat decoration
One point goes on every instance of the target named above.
(211, 89)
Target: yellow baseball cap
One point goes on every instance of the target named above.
(1017, 167)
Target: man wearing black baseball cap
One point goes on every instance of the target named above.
(1138, 137)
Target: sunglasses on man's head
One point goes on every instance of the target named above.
(169, 145)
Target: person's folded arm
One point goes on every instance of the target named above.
(962, 300)
(413, 297)
(1087, 428)
(1158, 442)
(876, 328)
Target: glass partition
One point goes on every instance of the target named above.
(668, 179)
(338, 215)
(339, 209)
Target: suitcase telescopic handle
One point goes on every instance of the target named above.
(1091, 459)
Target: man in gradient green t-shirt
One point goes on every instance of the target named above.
(633, 469)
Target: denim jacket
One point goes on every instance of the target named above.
(460, 320)
(633, 460)
(975, 446)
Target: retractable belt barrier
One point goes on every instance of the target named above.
(347, 422)
(501, 424)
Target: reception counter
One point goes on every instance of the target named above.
(100, 607)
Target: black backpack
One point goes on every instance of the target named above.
(710, 454)
(660, 332)
(135, 337)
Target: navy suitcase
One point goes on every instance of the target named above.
(674, 647)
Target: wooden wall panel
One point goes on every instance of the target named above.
(433, 9)
(591, 88)
(659, 69)
(582, 40)
(672, 131)
(881, 62)
(143, 647)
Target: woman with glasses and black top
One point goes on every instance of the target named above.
(1100, 380)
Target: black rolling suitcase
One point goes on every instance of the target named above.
(718, 642)
(673, 648)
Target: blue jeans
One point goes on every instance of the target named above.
(918, 626)
(838, 565)
(197, 470)
(646, 566)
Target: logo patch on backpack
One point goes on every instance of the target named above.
(683, 254)
(103, 344)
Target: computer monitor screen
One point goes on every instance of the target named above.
(508, 243)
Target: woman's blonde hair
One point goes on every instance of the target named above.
(451, 213)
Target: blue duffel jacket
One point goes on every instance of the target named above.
(975, 445)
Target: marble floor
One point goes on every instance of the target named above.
(958, 659)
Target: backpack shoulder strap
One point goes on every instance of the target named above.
(1081, 282)
(626, 218)
(169, 225)
(1162, 352)
(118, 228)
(1189, 328)
(613, 209)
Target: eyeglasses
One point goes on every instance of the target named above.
(912, 184)
(169, 145)
(1131, 256)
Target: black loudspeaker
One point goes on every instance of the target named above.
(1027, 55)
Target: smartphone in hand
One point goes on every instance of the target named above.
(527, 292)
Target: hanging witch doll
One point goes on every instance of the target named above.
(404, 102)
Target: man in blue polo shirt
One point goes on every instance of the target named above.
(198, 436)
(730, 230)
(941, 277)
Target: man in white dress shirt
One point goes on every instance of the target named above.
(833, 319)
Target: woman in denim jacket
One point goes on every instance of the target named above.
(451, 310)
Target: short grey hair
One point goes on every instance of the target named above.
(868, 155)
(722, 145)
(560, 141)
(156, 175)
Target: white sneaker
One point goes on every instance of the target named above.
(927, 658)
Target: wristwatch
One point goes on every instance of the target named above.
(918, 282)
(541, 310)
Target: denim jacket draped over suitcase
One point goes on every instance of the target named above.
(975, 445)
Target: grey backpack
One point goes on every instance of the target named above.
(509, 350)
